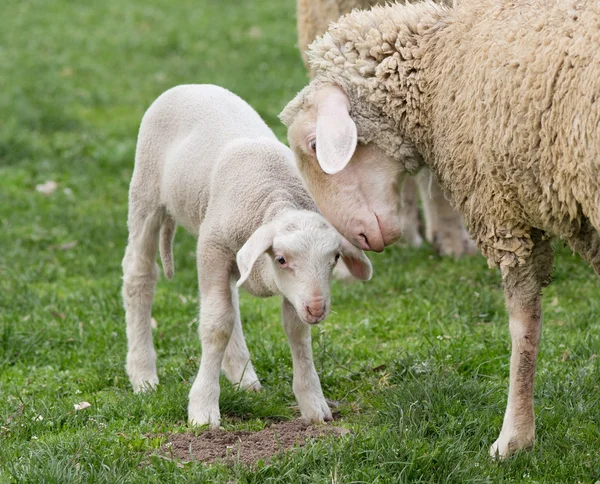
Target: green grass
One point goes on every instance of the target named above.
(75, 80)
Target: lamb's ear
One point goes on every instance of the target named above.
(336, 132)
(258, 243)
(356, 261)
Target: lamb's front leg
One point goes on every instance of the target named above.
(522, 287)
(307, 386)
(217, 318)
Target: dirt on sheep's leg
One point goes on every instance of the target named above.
(522, 288)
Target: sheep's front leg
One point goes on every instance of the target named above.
(522, 287)
(409, 214)
(444, 227)
(236, 364)
(307, 386)
(217, 319)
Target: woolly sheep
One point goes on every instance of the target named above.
(501, 100)
(206, 160)
(444, 228)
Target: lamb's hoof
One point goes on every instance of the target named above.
(507, 445)
(250, 386)
(202, 417)
(145, 385)
(320, 413)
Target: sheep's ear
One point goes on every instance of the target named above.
(356, 261)
(258, 243)
(336, 132)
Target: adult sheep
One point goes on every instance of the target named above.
(502, 101)
(444, 228)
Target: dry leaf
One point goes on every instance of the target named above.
(255, 32)
(58, 314)
(47, 188)
(153, 323)
(82, 406)
(65, 246)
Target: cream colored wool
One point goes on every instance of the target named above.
(502, 101)
(462, 88)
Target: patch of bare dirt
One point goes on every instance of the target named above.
(244, 446)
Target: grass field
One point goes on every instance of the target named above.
(418, 357)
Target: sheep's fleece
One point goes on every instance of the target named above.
(206, 160)
(501, 99)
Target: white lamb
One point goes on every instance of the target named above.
(206, 160)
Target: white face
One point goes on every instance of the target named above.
(303, 248)
(357, 187)
(303, 261)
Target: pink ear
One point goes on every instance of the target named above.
(336, 132)
(356, 261)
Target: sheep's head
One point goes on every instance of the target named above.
(350, 173)
(303, 249)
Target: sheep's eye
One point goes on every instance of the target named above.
(337, 256)
(280, 259)
(313, 145)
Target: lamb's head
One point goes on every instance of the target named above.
(303, 249)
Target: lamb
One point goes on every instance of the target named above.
(444, 228)
(500, 100)
(206, 160)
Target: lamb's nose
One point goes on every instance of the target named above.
(315, 309)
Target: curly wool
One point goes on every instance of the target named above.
(501, 99)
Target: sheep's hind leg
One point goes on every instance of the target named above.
(236, 364)
(522, 288)
(307, 386)
(140, 273)
(587, 245)
(217, 319)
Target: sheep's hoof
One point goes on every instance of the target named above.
(506, 445)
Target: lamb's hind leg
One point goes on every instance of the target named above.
(140, 273)
(236, 364)
(523, 288)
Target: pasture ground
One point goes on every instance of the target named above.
(418, 358)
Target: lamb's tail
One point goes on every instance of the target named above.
(167, 234)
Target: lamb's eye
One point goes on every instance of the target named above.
(280, 259)
(337, 256)
(313, 145)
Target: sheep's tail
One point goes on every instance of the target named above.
(167, 234)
